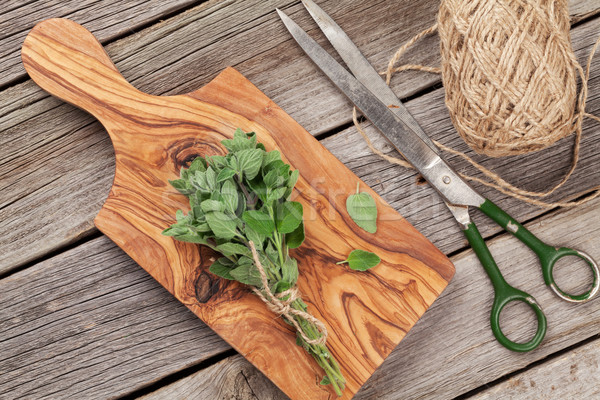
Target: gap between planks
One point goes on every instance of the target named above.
(222, 380)
(101, 156)
(106, 305)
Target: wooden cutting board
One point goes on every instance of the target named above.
(366, 313)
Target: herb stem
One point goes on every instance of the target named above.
(250, 202)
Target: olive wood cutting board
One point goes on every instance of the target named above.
(366, 313)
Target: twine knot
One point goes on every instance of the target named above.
(282, 304)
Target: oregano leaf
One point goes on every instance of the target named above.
(212, 205)
(244, 196)
(259, 221)
(361, 260)
(247, 274)
(249, 162)
(270, 157)
(199, 164)
(295, 238)
(219, 269)
(363, 211)
(230, 196)
(225, 174)
(230, 249)
(221, 224)
(289, 216)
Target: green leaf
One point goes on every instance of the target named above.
(212, 205)
(222, 270)
(225, 174)
(217, 162)
(230, 196)
(192, 238)
(272, 179)
(199, 164)
(259, 221)
(200, 196)
(175, 230)
(221, 224)
(271, 252)
(362, 209)
(202, 227)
(295, 238)
(248, 274)
(361, 260)
(273, 165)
(182, 186)
(231, 249)
(289, 271)
(184, 234)
(198, 180)
(275, 194)
(211, 178)
(289, 216)
(325, 381)
(258, 187)
(270, 157)
(240, 141)
(197, 212)
(254, 237)
(249, 162)
(227, 262)
(294, 175)
(283, 169)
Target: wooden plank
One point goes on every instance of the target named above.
(38, 132)
(451, 350)
(78, 168)
(77, 317)
(90, 323)
(231, 378)
(573, 375)
(233, 34)
(581, 9)
(107, 20)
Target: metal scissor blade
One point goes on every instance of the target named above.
(363, 70)
(435, 170)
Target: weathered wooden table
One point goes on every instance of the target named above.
(78, 318)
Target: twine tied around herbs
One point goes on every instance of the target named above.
(509, 74)
(281, 303)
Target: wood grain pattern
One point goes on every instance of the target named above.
(79, 161)
(78, 166)
(89, 323)
(573, 375)
(367, 314)
(451, 350)
(232, 378)
(107, 20)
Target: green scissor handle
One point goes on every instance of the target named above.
(504, 294)
(548, 255)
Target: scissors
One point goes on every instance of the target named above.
(369, 92)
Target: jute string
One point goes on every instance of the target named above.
(281, 303)
(509, 74)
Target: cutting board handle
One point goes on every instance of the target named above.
(66, 60)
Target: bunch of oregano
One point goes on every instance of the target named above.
(240, 198)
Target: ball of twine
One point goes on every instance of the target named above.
(510, 78)
(509, 72)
